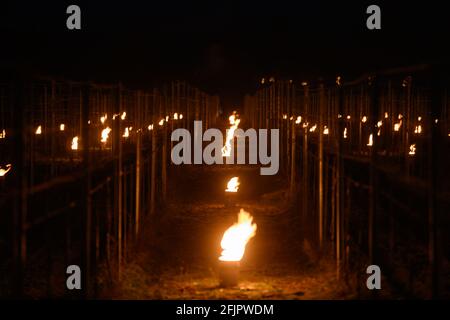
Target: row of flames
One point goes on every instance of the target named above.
(396, 127)
(106, 131)
(236, 237)
(104, 136)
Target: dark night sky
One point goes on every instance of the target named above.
(221, 46)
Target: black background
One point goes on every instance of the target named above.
(224, 47)
(282, 309)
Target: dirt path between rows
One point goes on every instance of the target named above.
(178, 256)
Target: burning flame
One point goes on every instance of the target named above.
(161, 122)
(284, 116)
(39, 130)
(124, 115)
(181, 116)
(103, 118)
(370, 143)
(313, 128)
(175, 116)
(348, 117)
(298, 120)
(418, 129)
(3, 172)
(105, 134)
(345, 133)
(325, 130)
(74, 143)
(62, 127)
(364, 119)
(233, 185)
(150, 127)
(386, 115)
(412, 149)
(379, 123)
(3, 134)
(234, 123)
(397, 125)
(126, 134)
(237, 236)
(167, 118)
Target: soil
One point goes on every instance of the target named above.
(177, 258)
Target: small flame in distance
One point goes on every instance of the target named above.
(233, 185)
(126, 133)
(74, 145)
(370, 143)
(237, 236)
(412, 149)
(234, 123)
(418, 129)
(105, 134)
(3, 171)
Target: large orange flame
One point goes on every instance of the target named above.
(237, 236)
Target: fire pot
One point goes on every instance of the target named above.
(229, 273)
